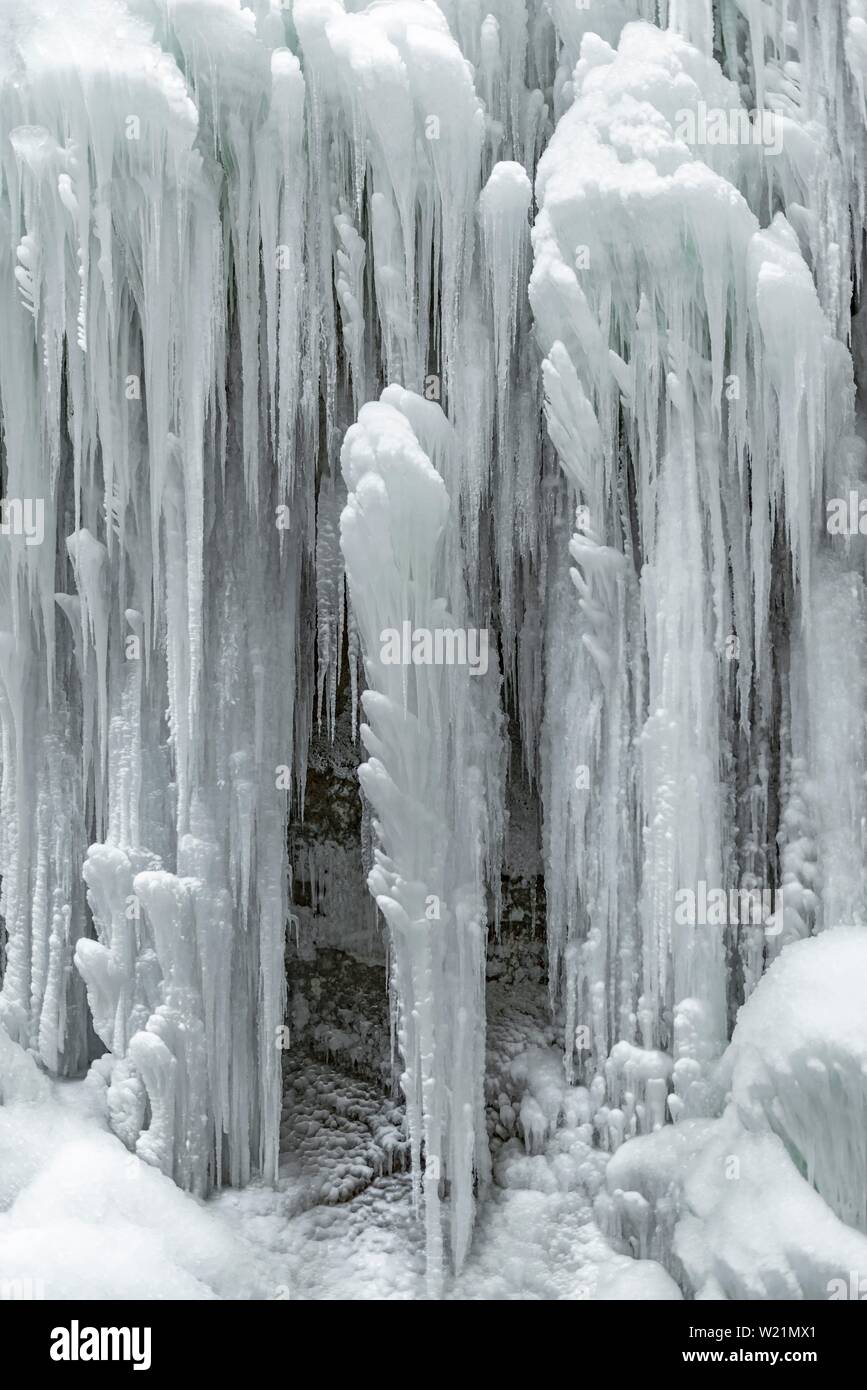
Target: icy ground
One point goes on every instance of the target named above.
(763, 1198)
(81, 1217)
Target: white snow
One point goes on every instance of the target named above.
(766, 1201)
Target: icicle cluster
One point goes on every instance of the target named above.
(222, 231)
(149, 671)
(699, 403)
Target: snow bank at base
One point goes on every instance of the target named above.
(20, 1078)
(754, 1229)
(535, 1244)
(81, 1217)
(761, 1203)
(798, 1064)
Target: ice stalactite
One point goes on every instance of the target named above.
(806, 61)
(212, 243)
(432, 776)
(836, 694)
(510, 45)
(330, 598)
(379, 81)
(594, 898)
(504, 208)
(820, 459)
(397, 113)
(688, 377)
(125, 415)
(649, 366)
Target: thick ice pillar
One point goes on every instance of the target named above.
(432, 775)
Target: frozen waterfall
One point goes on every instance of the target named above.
(467, 393)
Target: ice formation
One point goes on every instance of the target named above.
(520, 324)
(433, 742)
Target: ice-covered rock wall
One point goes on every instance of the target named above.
(518, 319)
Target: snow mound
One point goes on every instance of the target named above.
(752, 1228)
(761, 1203)
(20, 1078)
(81, 1217)
(798, 1063)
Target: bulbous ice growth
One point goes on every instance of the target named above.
(432, 776)
(157, 984)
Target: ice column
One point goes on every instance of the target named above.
(432, 775)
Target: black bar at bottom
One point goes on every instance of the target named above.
(164, 1339)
